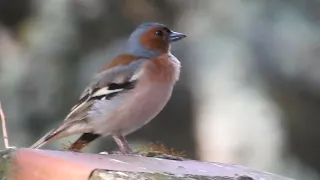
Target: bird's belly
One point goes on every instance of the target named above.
(140, 106)
(145, 107)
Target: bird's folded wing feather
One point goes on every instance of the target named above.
(105, 86)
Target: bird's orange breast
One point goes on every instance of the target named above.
(165, 68)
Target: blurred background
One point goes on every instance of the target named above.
(249, 91)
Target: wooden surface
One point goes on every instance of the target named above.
(60, 165)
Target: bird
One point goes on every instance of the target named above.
(125, 94)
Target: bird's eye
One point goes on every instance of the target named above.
(159, 33)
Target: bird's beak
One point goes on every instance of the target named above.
(176, 36)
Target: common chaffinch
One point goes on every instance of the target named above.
(127, 93)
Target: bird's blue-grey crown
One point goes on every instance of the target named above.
(134, 45)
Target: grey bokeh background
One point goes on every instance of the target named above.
(249, 91)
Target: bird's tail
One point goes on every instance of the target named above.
(60, 132)
(43, 140)
(50, 136)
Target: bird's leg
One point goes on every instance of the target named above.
(122, 143)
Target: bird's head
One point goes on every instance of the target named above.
(151, 40)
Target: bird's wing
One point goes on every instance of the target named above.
(104, 87)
